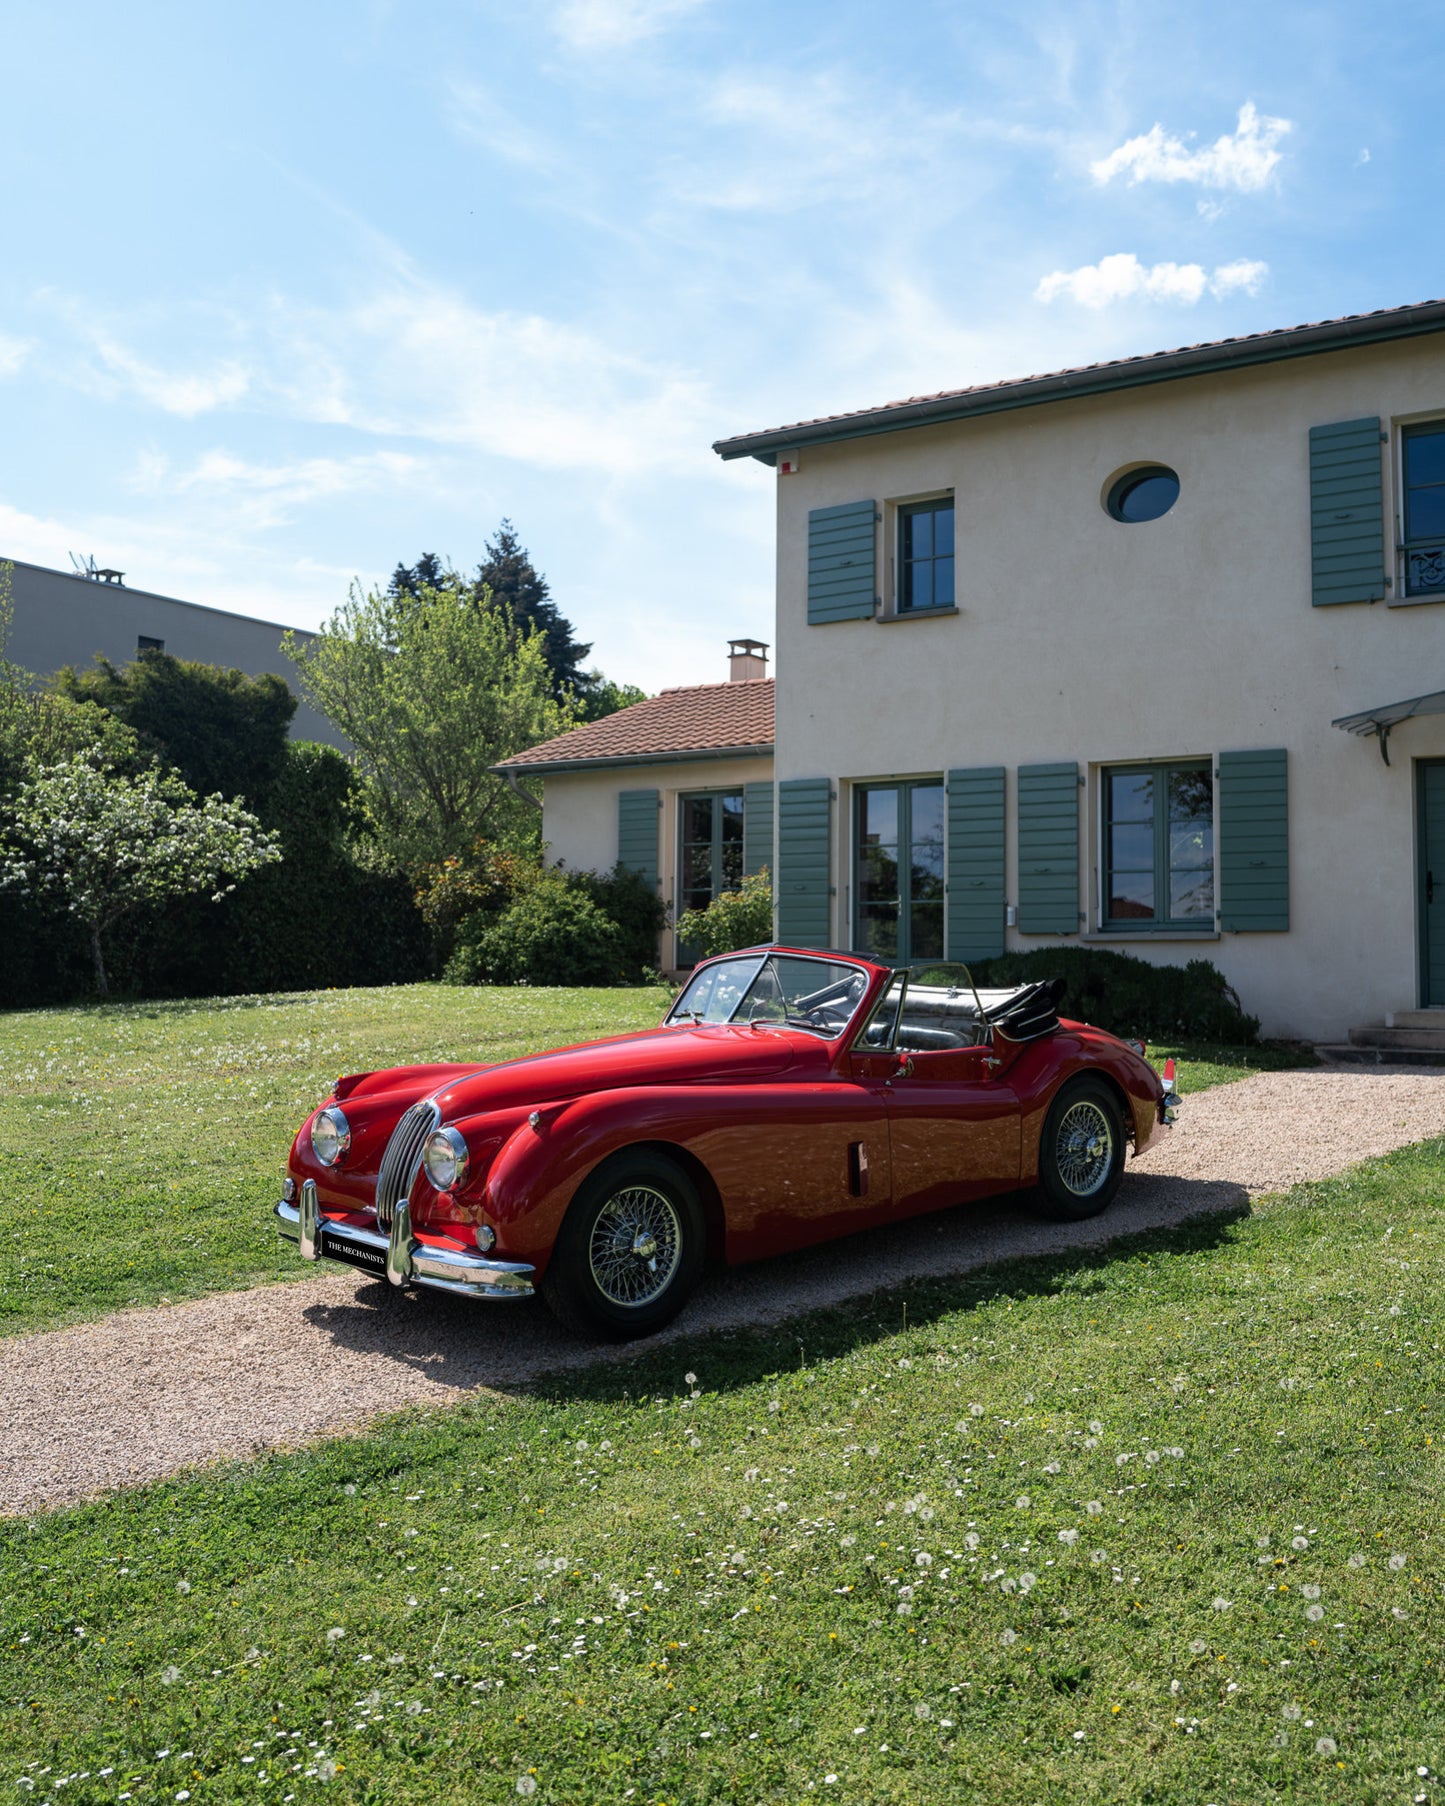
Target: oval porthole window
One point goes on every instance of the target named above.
(1143, 494)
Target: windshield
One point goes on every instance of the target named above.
(820, 995)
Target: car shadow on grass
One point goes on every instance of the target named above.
(744, 1323)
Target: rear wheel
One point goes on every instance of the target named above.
(630, 1250)
(1081, 1152)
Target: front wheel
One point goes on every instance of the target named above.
(1081, 1152)
(630, 1249)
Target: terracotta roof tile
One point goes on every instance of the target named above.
(700, 718)
(1422, 315)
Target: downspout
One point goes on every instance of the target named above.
(514, 784)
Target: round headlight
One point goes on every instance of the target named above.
(330, 1135)
(445, 1159)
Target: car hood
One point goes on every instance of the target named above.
(659, 1056)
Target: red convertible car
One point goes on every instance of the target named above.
(787, 1098)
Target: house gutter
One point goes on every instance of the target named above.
(626, 761)
(1132, 373)
(514, 784)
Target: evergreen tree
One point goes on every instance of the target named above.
(513, 580)
(411, 579)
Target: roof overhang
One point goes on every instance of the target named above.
(1380, 721)
(625, 761)
(1127, 373)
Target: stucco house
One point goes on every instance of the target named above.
(1146, 655)
(680, 787)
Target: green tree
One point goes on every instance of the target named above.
(433, 690)
(508, 576)
(222, 730)
(105, 843)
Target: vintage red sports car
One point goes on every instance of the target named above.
(788, 1097)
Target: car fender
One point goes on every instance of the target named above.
(1045, 1066)
(540, 1167)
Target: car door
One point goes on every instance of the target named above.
(953, 1128)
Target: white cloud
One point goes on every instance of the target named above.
(419, 360)
(174, 393)
(477, 114)
(13, 353)
(611, 24)
(1123, 278)
(260, 496)
(1244, 159)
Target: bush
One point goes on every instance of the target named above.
(1130, 996)
(737, 918)
(627, 899)
(553, 935)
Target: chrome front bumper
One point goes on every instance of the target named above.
(399, 1257)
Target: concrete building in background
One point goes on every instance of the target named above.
(63, 618)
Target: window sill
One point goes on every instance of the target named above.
(916, 614)
(1103, 937)
(1415, 601)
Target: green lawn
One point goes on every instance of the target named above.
(141, 1145)
(1159, 1522)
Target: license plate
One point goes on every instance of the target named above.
(353, 1254)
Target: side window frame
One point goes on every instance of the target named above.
(1159, 923)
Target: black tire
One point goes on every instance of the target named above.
(630, 1250)
(1081, 1152)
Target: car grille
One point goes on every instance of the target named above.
(402, 1159)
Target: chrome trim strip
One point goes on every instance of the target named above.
(308, 1229)
(407, 1261)
(401, 1162)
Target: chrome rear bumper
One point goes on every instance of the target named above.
(399, 1257)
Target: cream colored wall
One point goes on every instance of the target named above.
(1081, 638)
(579, 816)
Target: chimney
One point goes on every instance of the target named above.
(747, 659)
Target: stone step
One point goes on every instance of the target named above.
(1377, 1035)
(1350, 1054)
(1415, 1019)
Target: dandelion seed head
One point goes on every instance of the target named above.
(169, 1676)
(526, 1785)
(1314, 1613)
(923, 1709)
(1299, 1542)
(183, 1586)
(335, 1634)
(1095, 1427)
(350, 1489)
(1198, 1646)
(971, 1540)
(1094, 1508)
(1355, 1561)
(1221, 1605)
(691, 1378)
(1022, 1501)
(923, 1559)
(1292, 1711)
(1396, 1563)
(1008, 1636)
(1068, 1538)
(1310, 1592)
(975, 1410)
(1325, 1746)
(1098, 1557)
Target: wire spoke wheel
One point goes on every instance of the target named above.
(635, 1246)
(1084, 1148)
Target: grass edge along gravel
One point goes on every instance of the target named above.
(1153, 1522)
(142, 1145)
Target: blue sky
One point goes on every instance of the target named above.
(289, 293)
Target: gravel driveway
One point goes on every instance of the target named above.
(147, 1392)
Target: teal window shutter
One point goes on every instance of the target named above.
(1253, 842)
(637, 832)
(1048, 811)
(804, 862)
(975, 890)
(842, 558)
(757, 827)
(1347, 513)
